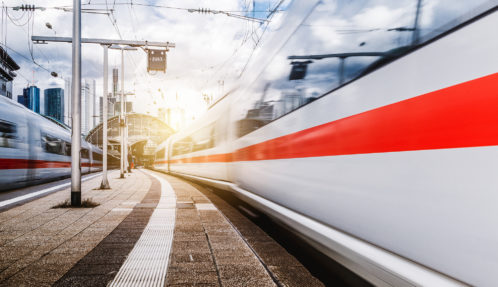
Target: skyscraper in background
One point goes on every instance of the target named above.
(54, 103)
(89, 107)
(85, 108)
(115, 78)
(95, 109)
(30, 98)
(114, 93)
(22, 100)
(67, 101)
(101, 109)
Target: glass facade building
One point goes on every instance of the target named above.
(54, 103)
(30, 98)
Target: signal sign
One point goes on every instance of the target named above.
(157, 60)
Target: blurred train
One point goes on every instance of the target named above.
(36, 149)
(377, 145)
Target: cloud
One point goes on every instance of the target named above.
(209, 48)
(204, 42)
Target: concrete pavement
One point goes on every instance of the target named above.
(43, 246)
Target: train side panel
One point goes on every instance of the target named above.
(14, 147)
(406, 164)
(34, 149)
(191, 150)
(402, 157)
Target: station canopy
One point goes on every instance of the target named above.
(145, 133)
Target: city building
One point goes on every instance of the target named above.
(22, 100)
(7, 68)
(101, 109)
(54, 103)
(85, 108)
(95, 107)
(89, 108)
(67, 101)
(110, 107)
(114, 94)
(30, 98)
(115, 78)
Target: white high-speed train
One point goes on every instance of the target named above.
(35, 149)
(372, 137)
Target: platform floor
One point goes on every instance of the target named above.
(150, 229)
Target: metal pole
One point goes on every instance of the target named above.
(126, 136)
(416, 32)
(76, 107)
(341, 71)
(43, 39)
(121, 116)
(105, 183)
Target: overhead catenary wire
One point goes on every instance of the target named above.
(229, 13)
(25, 57)
(248, 35)
(262, 34)
(30, 25)
(112, 5)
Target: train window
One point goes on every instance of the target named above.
(160, 153)
(96, 156)
(67, 148)
(85, 153)
(338, 42)
(8, 134)
(52, 144)
(182, 147)
(202, 139)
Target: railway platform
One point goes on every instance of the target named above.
(150, 229)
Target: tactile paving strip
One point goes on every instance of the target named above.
(147, 263)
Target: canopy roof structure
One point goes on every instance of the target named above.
(145, 132)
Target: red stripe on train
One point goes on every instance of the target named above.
(15, 163)
(460, 116)
(226, 157)
(463, 115)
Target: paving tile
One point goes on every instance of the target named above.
(192, 266)
(14, 253)
(235, 259)
(289, 270)
(191, 257)
(90, 280)
(47, 242)
(97, 269)
(191, 277)
(295, 276)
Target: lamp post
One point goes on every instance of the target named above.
(76, 107)
(105, 182)
(122, 116)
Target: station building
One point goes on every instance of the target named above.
(7, 74)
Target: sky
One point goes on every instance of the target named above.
(211, 49)
(210, 52)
